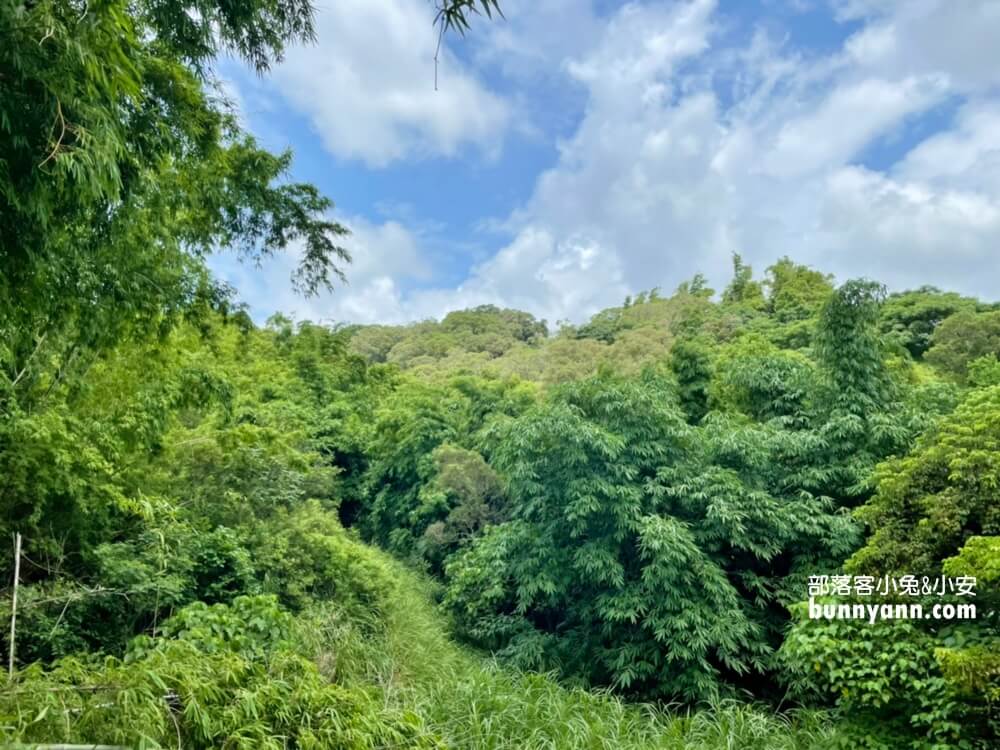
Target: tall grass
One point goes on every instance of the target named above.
(492, 709)
(389, 678)
(472, 702)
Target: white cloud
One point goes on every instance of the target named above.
(641, 46)
(915, 37)
(967, 156)
(537, 37)
(687, 151)
(910, 233)
(367, 85)
(539, 273)
(848, 119)
(664, 179)
(385, 256)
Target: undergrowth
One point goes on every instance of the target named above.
(249, 675)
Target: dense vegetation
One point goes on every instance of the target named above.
(469, 533)
(193, 505)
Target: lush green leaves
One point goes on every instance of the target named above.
(962, 339)
(930, 502)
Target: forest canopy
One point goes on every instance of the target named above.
(642, 518)
(483, 531)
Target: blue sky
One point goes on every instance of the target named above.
(580, 151)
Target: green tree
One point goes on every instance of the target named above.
(963, 338)
(934, 513)
(743, 289)
(860, 417)
(410, 425)
(932, 501)
(462, 498)
(697, 286)
(691, 363)
(121, 169)
(910, 318)
(641, 552)
(795, 292)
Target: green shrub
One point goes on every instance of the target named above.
(221, 676)
(304, 555)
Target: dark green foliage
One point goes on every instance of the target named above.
(257, 31)
(885, 680)
(862, 419)
(934, 512)
(795, 292)
(963, 338)
(576, 469)
(926, 683)
(851, 351)
(930, 502)
(691, 364)
(455, 14)
(910, 318)
(414, 422)
(410, 484)
(642, 553)
(228, 677)
(743, 290)
(634, 503)
(605, 325)
(463, 497)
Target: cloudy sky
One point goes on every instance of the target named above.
(582, 150)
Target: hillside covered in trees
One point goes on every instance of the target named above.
(632, 505)
(485, 531)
